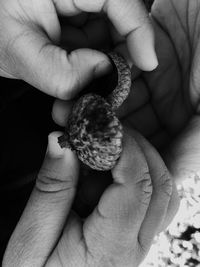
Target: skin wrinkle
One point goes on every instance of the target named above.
(165, 184)
(195, 44)
(59, 258)
(88, 254)
(100, 214)
(145, 189)
(102, 238)
(183, 92)
(48, 192)
(5, 11)
(24, 10)
(74, 72)
(141, 247)
(75, 5)
(49, 182)
(58, 87)
(193, 85)
(183, 28)
(179, 19)
(143, 23)
(11, 44)
(152, 99)
(26, 32)
(196, 29)
(103, 5)
(186, 32)
(169, 36)
(26, 237)
(187, 24)
(6, 74)
(85, 239)
(194, 77)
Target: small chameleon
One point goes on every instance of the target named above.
(93, 130)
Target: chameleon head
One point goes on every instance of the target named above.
(93, 131)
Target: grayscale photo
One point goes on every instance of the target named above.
(100, 133)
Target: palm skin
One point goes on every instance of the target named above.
(164, 104)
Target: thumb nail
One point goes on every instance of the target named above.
(53, 149)
(102, 68)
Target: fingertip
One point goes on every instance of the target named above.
(142, 48)
(61, 110)
(102, 68)
(172, 209)
(53, 149)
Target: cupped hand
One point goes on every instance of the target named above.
(164, 104)
(30, 47)
(132, 210)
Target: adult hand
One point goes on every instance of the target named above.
(121, 228)
(31, 31)
(164, 104)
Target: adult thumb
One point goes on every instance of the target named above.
(46, 212)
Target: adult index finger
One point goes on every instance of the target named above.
(131, 20)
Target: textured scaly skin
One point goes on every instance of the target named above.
(93, 130)
(121, 92)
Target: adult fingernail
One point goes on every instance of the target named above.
(53, 149)
(102, 68)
